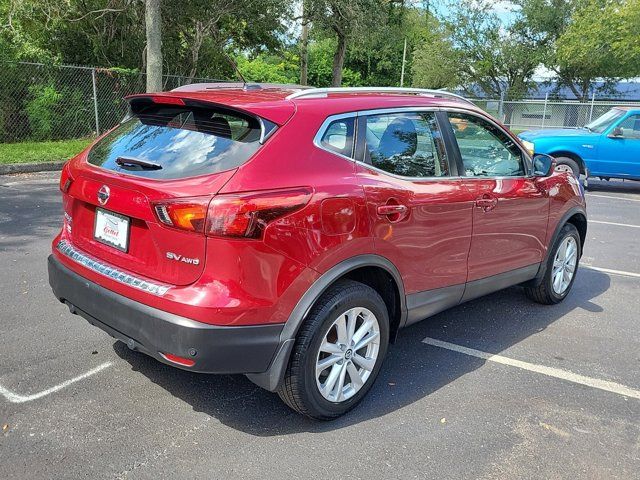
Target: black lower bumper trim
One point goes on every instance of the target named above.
(215, 349)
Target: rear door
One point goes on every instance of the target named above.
(420, 212)
(139, 199)
(511, 208)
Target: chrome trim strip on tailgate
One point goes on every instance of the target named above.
(110, 272)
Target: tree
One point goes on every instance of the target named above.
(435, 59)
(345, 19)
(304, 44)
(588, 43)
(600, 42)
(153, 22)
(377, 53)
(496, 58)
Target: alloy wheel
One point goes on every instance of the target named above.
(564, 265)
(348, 354)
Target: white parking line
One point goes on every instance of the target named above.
(613, 272)
(614, 223)
(16, 398)
(615, 198)
(532, 367)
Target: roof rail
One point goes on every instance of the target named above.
(198, 87)
(324, 92)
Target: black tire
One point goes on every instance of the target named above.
(299, 389)
(544, 293)
(569, 162)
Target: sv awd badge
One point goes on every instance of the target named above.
(180, 258)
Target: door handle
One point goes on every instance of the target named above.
(391, 209)
(486, 202)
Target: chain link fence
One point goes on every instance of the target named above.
(538, 114)
(43, 102)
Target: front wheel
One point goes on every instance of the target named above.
(562, 265)
(338, 352)
(566, 164)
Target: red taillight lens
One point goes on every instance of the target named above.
(188, 214)
(166, 100)
(246, 215)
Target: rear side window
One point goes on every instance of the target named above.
(169, 142)
(407, 144)
(338, 137)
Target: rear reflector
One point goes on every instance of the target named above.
(247, 214)
(185, 362)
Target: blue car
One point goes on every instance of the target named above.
(608, 147)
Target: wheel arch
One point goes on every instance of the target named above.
(373, 270)
(576, 216)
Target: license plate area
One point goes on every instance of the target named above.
(112, 229)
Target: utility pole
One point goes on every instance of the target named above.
(153, 22)
(404, 60)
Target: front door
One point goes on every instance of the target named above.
(420, 214)
(619, 150)
(510, 207)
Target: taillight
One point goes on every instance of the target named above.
(186, 214)
(65, 179)
(246, 215)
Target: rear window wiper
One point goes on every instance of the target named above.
(137, 164)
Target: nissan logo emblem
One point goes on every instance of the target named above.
(103, 195)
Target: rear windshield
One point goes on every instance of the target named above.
(168, 142)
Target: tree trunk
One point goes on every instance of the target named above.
(153, 22)
(304, 53)
(338, 61)
(304, 45)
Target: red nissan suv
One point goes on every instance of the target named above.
(288, 233)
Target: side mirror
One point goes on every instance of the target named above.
(616, 133)
(542, 165)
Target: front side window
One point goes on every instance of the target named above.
(169, 142)
(486, 150)
(408, 144)
(630, 127)
(338, 136)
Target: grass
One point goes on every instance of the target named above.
(25, 152)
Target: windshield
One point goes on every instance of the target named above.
(600, 124)
(168, 142)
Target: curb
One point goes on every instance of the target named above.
(10, 168)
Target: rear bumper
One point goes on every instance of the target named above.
(215, 349)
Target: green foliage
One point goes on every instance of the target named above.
(435, 59)
(321, 63)
(601, 40)
(269, 68)
(585, 40)
(42, 110)
(55, 114)
(496, 58)
(58, 151)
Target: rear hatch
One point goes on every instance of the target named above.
(139, 202)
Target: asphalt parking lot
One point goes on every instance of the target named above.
(562, 399)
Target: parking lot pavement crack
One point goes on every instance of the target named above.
(17, 398)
